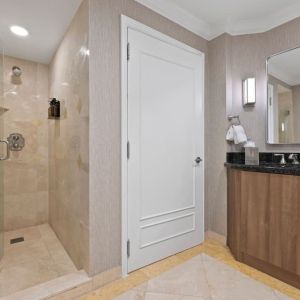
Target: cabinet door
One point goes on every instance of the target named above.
(284, 222)
(270, 217)
(255, 215)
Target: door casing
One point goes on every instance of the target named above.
(126, 23)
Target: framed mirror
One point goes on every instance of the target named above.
(283, 71)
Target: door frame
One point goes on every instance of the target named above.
(127, 23)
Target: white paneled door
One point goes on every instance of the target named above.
(165, 149)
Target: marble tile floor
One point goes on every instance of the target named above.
(40, 258)
(202, 278)
(205, 272)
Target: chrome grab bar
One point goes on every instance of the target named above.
(7, 150)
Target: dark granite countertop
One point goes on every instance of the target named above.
(287, 169)
(268, 164)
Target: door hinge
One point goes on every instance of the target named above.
(128, 51)
(128, 248)
(128, 150)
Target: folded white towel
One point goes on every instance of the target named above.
(239, 134)
(230, 135)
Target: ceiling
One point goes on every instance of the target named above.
(210, 18)
(286, 67)
(46, 21)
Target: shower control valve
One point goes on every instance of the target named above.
(16, 142)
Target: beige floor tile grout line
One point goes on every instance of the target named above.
(210, 247)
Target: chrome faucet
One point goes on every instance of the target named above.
(294, 158)
(282, 161)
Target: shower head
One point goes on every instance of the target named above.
(16, 71)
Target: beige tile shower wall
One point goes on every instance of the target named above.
(26, 173)
(105, 119)
(69, 141)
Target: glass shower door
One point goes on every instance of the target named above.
(2, 154)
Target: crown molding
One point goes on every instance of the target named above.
(179, 16)
(208, 31)
(267, 23)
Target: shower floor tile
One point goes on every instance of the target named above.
(38, 259)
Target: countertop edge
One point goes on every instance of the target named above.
(287, 170)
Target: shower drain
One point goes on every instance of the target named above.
(17, 240)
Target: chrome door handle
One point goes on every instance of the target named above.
(7, 150)
(198, 160)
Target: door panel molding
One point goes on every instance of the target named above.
(167, 220)
(167, 213)
(168, 237)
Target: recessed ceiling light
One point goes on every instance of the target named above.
(19, 31)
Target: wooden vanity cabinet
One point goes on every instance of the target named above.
(264, 222)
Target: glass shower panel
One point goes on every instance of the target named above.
(2, 110)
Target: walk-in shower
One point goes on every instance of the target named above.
(43, 161)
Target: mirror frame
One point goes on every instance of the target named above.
(267, 91)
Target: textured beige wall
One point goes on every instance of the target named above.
(249, 54)
(105, 120)
(296, 105)
(244, 56)
(26, 173)
(216, 125)
(69, 141)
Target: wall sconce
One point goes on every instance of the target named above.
(249, 91)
